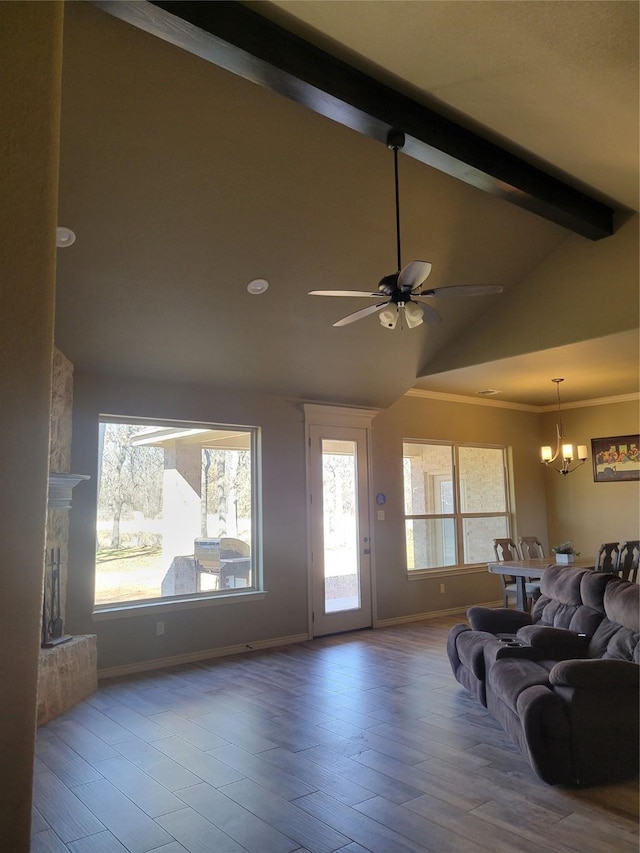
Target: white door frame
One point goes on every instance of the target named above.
(345, 417)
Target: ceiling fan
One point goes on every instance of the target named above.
(400, 294)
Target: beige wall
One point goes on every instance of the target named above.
(283, 612)
(591, 513)
(532, 315)
(30, 46)
(416, 418)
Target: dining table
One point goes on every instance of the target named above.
(523, 570)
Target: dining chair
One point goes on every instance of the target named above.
(531, 547)
(608, 557)
(629, 560)
(506, 550)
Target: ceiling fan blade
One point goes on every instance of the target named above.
(344, 293)
(430, 315)
(413, 274)
(463, 290)
(358, 315)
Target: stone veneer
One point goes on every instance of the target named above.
(67, 675)
(60, 459)
(68, 671)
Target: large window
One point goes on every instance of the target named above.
(455, 502)
(177, 511)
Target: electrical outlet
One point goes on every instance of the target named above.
(380, 515)
(441, 587)
(159, 629)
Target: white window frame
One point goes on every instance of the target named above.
(458, 516)
(161, 604)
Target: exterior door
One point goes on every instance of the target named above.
(339, 529)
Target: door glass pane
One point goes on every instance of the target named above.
(479, 534)
(482, 479)
(430, 543)
(340, 506)
(426, 468)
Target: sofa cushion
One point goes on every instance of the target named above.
(562, 584)
(592, 589)
(596, 675)
(618, 635)
(571, 598)
(623, 646)
(559, 596)
(622, 602)
(508, 677)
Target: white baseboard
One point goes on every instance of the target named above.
(209, 654)
(434, 614)
(194, 657)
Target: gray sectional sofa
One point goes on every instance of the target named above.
(564, 680)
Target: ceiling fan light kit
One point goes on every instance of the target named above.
(413, 314)
(401, 291)
(388, 317)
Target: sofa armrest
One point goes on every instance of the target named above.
(559, 643)
(499, 620)
(452, 644)
(497, 649)
(546, 729)
(596, 674)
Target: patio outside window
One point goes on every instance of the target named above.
(176, 511)
(456, 502)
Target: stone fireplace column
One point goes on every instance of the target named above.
(67, 671)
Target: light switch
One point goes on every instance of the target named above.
(380, 515)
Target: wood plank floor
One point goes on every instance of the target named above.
(354, 743)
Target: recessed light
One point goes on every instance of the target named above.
(488, 392)
(258, 285)
(64, 237)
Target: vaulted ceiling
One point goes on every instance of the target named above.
(184, 181)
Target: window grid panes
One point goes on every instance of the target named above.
(176, 511)
(456, 503)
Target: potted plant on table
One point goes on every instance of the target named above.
(565, 552)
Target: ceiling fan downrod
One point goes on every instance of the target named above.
(401, 294)
(395, 141)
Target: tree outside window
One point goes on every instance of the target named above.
(169, 497)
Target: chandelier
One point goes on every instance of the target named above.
(563, 450)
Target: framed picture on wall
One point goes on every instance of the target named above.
(616, 458)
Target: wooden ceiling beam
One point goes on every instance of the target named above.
(238, 39)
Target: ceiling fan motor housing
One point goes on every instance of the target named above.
(401, 290)
(388, 284)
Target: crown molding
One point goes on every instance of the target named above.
(597, 401)
(347, 416)
(471, 401)
(520, 407)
